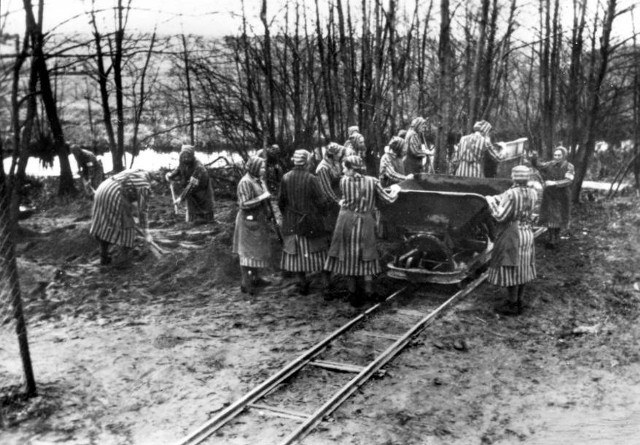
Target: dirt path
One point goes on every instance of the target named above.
(143, 354)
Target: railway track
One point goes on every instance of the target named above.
(376, 336)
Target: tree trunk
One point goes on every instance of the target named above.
(594, 101)
(66, 185)
(187, 76)
(477, 73)
(445, 57)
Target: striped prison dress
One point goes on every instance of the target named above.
(112, 214)
(391, 169)
(353, 249)
(251, 237)
(355, 145)
(329, 178)
(513, 256)
(302, 204)
(470, 155)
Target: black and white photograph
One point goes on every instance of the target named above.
(318, 222)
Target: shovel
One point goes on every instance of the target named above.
(156, 250)
(173, 196)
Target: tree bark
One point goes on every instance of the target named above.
(586, 152)
(66, 185)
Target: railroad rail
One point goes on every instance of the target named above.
(309, 421)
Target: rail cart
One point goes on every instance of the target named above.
(444, 227)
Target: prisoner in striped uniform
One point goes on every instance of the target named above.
(251, 234)
(416, 152)
(391, 165)
(555, 211)
(353, 250)
(329, 171)
(469, 158)
(513, 258)
(196, 184)
(304, 238)
(115, 202)
(354, 145)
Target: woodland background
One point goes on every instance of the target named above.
(554, 72)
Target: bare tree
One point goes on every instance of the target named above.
(34, 28)
(599, 71)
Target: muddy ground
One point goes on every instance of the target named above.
(145, 351)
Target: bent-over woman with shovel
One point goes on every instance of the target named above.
(114, 204)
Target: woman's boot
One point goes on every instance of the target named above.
(246, 284)
(519, 302)
(509, 307)
(303, 284)
(355, 299)
(105, 258)
(258, 281)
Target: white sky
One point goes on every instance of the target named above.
(222, 17)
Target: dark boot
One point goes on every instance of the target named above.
(520, 302)
(554, 237)
(105, 258)
(303, 284)
(355, 297)
(258, 281)
(328, 291)
(246, 286)
(510, 306)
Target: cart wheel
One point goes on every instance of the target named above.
(427, 242)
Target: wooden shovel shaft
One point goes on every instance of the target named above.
(173, 197)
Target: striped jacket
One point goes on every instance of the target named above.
(391, 169)
(470, 155)
(353, 245)
(302, 204)
(112, 214)
(329, 180)
(513, 257)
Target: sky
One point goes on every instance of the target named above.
(222, 17)
(204, 17)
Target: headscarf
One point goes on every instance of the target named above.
(417, 124)
(483, 127)
(521, 173)
(356, 162)
(562, 150)
(254, 164)
(187, 154)
(396, 144)
(300, 157)
(336, 151)
(353, 129)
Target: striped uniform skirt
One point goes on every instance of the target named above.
(353, 265)
(303, 260)
(524, 271)
(252, 262)
(470, 170)
(111, 219)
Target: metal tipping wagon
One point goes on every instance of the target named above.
(444, 226)
(444, 222)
